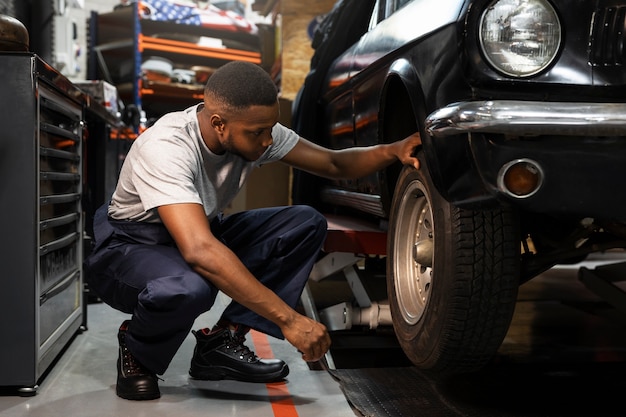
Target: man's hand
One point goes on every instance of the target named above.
(406, 151)
(308, 336)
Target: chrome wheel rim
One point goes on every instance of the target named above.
(413, 253)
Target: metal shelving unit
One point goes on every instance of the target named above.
(120, 40)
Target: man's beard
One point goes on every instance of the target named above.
(230, 147)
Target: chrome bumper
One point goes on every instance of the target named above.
(529, 118)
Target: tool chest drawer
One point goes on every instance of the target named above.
(41, 185)
(60, 127)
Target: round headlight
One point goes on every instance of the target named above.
(520, 38)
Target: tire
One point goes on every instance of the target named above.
(452, 277)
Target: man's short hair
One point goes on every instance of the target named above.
(240, 84)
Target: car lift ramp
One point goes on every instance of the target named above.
(604, 281)
(348, 242)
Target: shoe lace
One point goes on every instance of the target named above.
(237, 344)
(129, 364)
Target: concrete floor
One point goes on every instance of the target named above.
(82, 382)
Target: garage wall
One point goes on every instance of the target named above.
(298, 16)
(81, 17)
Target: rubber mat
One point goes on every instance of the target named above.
(393, 392)
(504, 390)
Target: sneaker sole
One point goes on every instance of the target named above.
(218, 373)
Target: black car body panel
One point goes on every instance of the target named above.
(431, 48)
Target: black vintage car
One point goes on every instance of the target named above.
(521, 105)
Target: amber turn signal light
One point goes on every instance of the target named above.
(520, 178)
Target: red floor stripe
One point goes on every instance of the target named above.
(280, 397)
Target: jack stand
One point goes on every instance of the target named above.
(346, 238)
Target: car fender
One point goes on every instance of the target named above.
(403, 111)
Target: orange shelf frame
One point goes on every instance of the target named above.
(180, 47)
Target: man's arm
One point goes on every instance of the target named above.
(351, 162)
(190, 229)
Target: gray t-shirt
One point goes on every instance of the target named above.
(169, 163)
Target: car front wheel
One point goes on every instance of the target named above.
(452, 277)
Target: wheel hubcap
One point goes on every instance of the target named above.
(413, 253)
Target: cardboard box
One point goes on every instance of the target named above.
(103, 92)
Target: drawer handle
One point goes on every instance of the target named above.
(58, 288)
(58, 244)
(58, 131)
(58, 221)
(57, 153)
(51, 105)
(57, 199)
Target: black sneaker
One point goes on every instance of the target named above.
(134, 381)
(222, 355)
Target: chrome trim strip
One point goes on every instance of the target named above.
(368, 203)
(527, 118)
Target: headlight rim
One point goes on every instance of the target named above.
(520, 74)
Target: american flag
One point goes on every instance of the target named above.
(176, 13)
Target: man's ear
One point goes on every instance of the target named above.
(217, 123)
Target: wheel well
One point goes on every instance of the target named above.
(398, 121)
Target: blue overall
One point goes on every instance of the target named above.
(136, 268)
